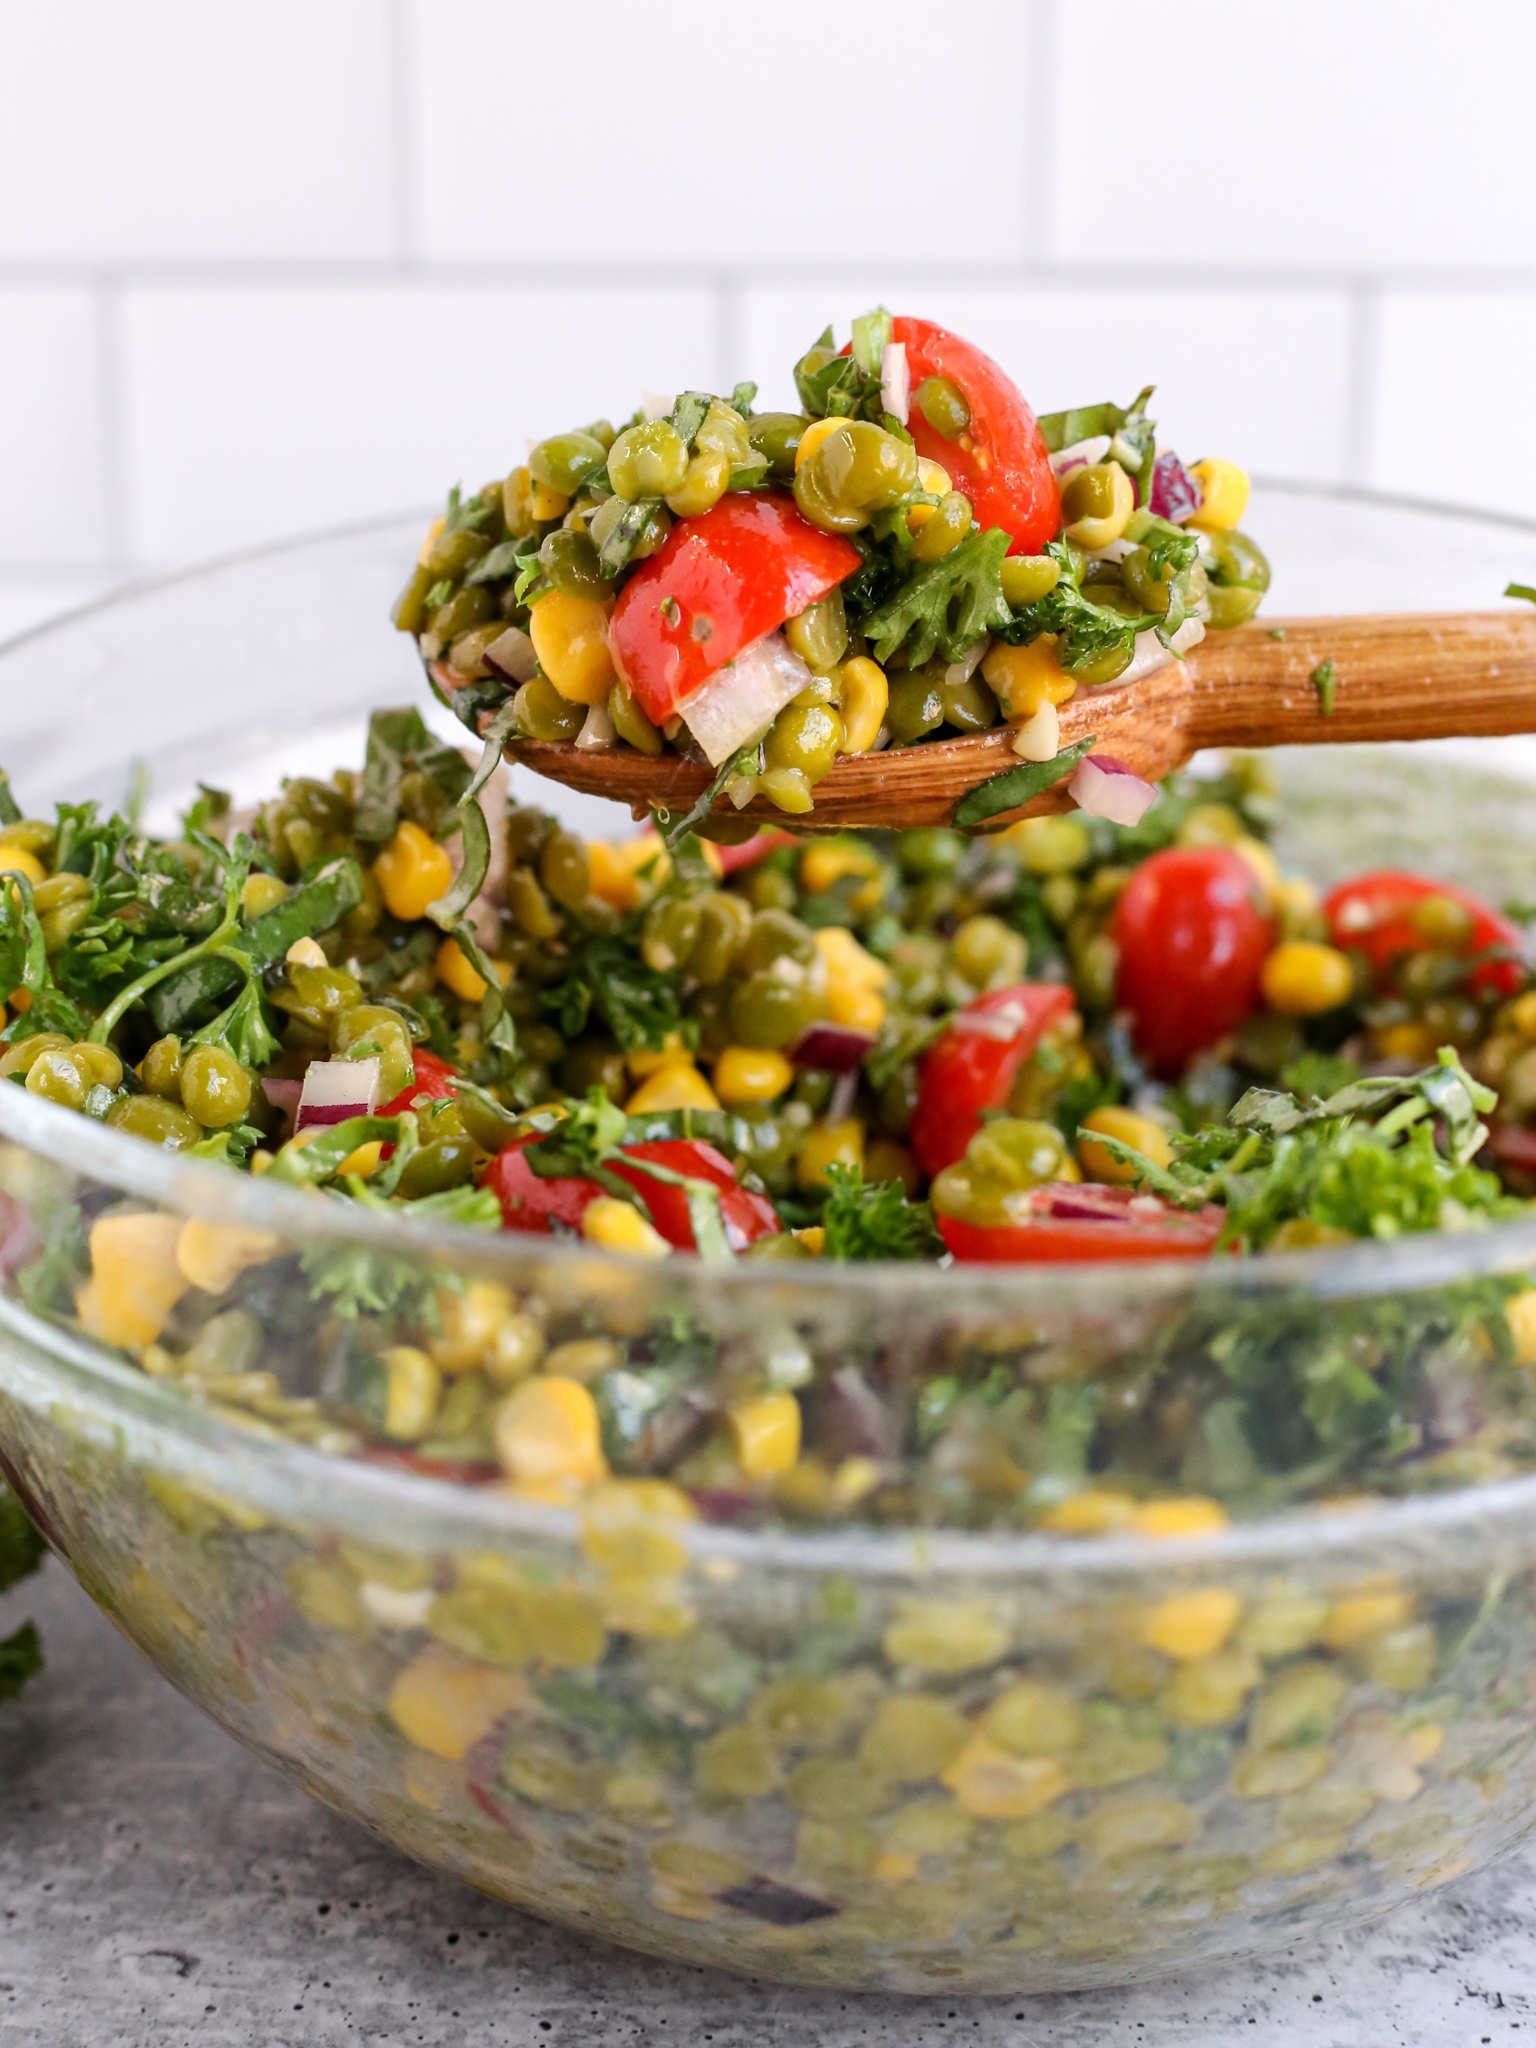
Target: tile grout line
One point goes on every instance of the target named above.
(403, 131)
(113, 457)
(1362, 363)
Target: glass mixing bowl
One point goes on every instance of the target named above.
(724, 1745)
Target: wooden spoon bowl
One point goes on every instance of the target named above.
(1430, 675)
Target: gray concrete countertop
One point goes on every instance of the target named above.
(159, 1887)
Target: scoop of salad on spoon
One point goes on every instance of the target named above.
(910, 603)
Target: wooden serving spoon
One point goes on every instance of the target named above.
(1423, 675)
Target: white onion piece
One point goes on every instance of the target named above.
(393, 1609)
(336, 1089)
(1106, 788)
(598, 729)
(961, 671)
(741, 789)
(1113, 550)
(895, 380)
(1039, 738)
(512, 656)
(740, 701)
(1094, 449)
(655, 404)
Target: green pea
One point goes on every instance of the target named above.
(950, 523)
(570, 562)
(58, 925)
(215, 1088)
(724, 922)
(787, 789)
(710, 1009)
(58, 889)
(156, 1122)
(594, 1062)
(527, 830)
(929, 850)
(516, 504)
(444, 1163)
(57, 1076)
(544, 714)
(1267, 1041)
(647, 461)
(1231, 604)
(667, 936)
(565, 870)
(630, 722)
(988, 953)
(806, 736)
(1152, 591)
(767, 1013)
(969, 705)
(1103, 667)
(1028, 578)
(99, 1063)
(768, 888)
(782, 1245)
(18, 1059)
(858, 469)
(531, 1083)
(775, 935)
(486, 1121)
(1091, 492)
(1234, 558)
(915, 706)
(896, 1103)
(528, 906)
(1004, 1157)
(33, 836)
(723, 431)
(944, 406)
(472, 607)
(602, 433)
(774, 437)
(317, 994)
(565, 461)
(819, 634)
(160, 1069)
(454, 551)
(410, 608)
(371, 1023)
(704, 483)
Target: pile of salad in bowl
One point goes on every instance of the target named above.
(1071, 1042)
(912, 556)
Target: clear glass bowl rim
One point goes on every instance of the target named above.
(283, 1473)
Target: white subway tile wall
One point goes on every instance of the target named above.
(268, 270)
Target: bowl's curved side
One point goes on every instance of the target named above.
(951, 1782)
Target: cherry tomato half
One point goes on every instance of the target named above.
(718, 583)
(529, 1202)
(1192, 940)
(971, 1067)
(434, 1077)
(1006, 471)
(1374, 915)
(1073, 1223)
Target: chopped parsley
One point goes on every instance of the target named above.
(876, 1220)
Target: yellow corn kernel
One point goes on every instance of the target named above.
(430, 540)
(306, 952)
(262, 893)
(1191, 1625)
(1360, 1616)
(1206, 1692)
(1426, 1742)
(767, 1434)
(570, 637)
(1522, 1014)
(213, 1255)
(940, 1636)
(839, 1144)
(1096, 1512)
(679, 1086)
(1196, 1516)
(413, 1386)
(1023, 679)
(886, 1159)
(547, 1430)
(813, 437)
(412, 871)
(847, 960)
(615, 868)
(1302, 979)
(16, 860)
(469, 1320)
(458, 973)
(1224, 495)
(1149, 1138)
(135, 1281)
(745, 1074)
(362, 1163)
(544, 503)
(865, 694)
(933, 478)
(618, 1226)
(651, 1059)
(857, 1009)
(1520, 1314)
(1415, 1042)
(813, 1236)
(994, 1784)
(445, 1705)
(826, 862)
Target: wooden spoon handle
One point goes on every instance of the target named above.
(1414, 676)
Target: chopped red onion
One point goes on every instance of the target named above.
(895, 380)
(1094, 449)
(283, 1095)
(336, 1089)
(1175, 494)
(832, 1048)
(1106, 788)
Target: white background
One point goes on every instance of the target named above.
(269, 268)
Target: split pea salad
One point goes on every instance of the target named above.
(1073, 1041)
(911, 556)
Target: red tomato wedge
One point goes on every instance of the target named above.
(1373, 914)
(720, 582)
(1006, 471)
(529, 1202)
(434, 1077)
(1192, 940)
(1072, 1223)
(747, 855)
(971, 1067)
